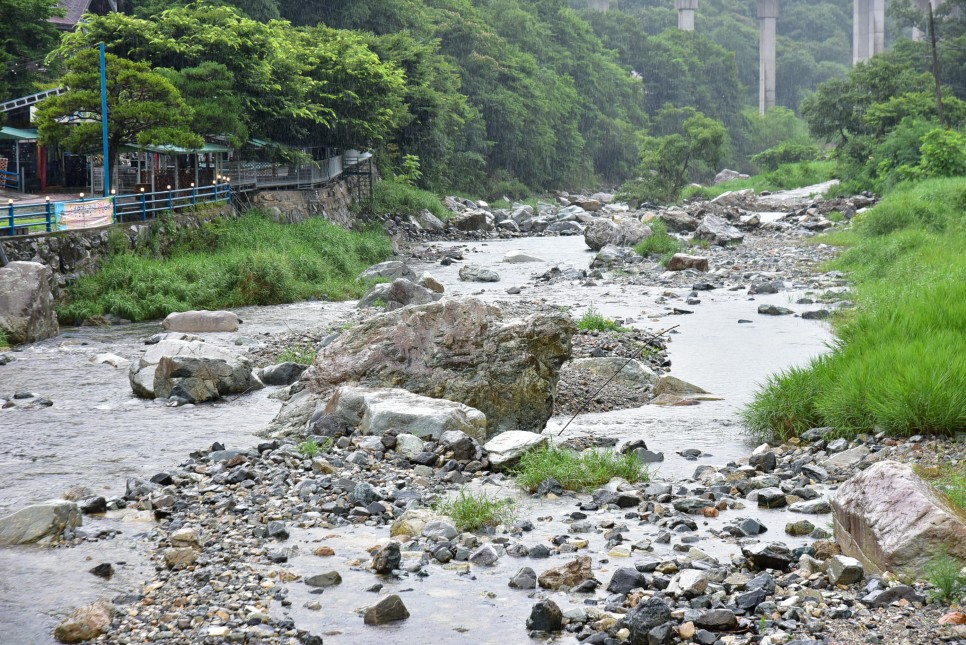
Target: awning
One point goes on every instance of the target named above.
(175, 150)
(18, 134)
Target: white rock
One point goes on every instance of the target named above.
(505, 449)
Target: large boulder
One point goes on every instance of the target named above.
(39, 523)
(401, 292)
(26, 303)
(678, 221)
(392, 269)
(629, 372)
(474, 220)
(623, 232)
(193, 370)
(376, 411)
(86, 623)
(459, 349)
(195, 322)
(716, 230)
(891, 519)
(682, 261)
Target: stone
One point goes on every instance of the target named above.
(799, 528)
(281, 374)
(505, 450)
(626, 231)
(86, 623)
(431, 283)
(327, 579)
(812, 506)
(193, 370)
(641, 619)
(846, 459)
(409, 445)
(439, 530)
(398, 293)
(688, 583)
(569, 575)
(678, 221)
(682, 261)
(629, 372)
(476, 273)
(391, 269)
(426, 220)
(485, 556)
(103, 570)
(625, 579)
(412, 522)
(768, 556)
(545, 617)
(612, 255)
(717, 620)
(525, 578)
(885, 597)
(459, 349)
(672, 385)
(718, 231)
(774, 310)
(728, 175)
(771, 498)
(196, 322)
(461, 445)
(387, 558)
(26, 303)
(890, 519)
(110, 359)
(520, 257)
(185, 536)
(41, 523)
(377, 411)
(843, 570)
(387, 610)
(474, 220)
(176, 557)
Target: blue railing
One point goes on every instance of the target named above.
(46, 217)
(10, 180)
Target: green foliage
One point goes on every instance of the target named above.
(395, 198)
(301, 354)
(4, 342)
(660, 242)
(143, 107)
(952, 482)
(577, 471)
(945, 574)
(943, 153)
(785, 153)
(785, 177)
(28, 36)
(249, 261)
(311, 448)
(896, 366)
(471, 512)
(593, 320)
(216, 110)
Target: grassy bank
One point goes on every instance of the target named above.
(785, 177)
(398, 198)
(899, 364)
(249, 261)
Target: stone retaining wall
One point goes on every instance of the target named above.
(333, 202)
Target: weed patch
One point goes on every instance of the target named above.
(593, 320)
(398, 198)
(471, 512)
(577, 470)
(945, 574)
(301, 354)
(660, 242)
(312, 448)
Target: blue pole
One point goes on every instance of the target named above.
(48, 215)
(107, 170)
(11, 217)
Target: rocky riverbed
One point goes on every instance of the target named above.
(282, 541)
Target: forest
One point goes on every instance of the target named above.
(498, 97)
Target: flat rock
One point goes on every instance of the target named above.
(389, 609)
(569, 575)
(520, 257)
(327, 579)
(717, 230)
(476, 273)
(39, 523)
(391, 269)
(682, 261)
(505, 449)
(843, 570)
(626, 372)
(196, 322)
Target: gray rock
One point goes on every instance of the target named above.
(196, 322)
(718, 620)
(408, 445)
(440, 530)
(812, 507)
(485, 556)
(629, 373)
(774, 310)
(625, 579)
(505, 449)
(387, 558)
(525, 578)
(387, 610)
(520, 257)
(768, 556)
(843, 570)
(641, 619)
(399, 293)
(476, 273)
(716, 230)
(193, 370)
(688, 583)
(39, 523)
(771, 498)
(392, 269)
(799, 528)
(86, 623)
(26, 303)
(884, 597)
(281, 374)
(545, 617)
(328, 579)
(376, 411)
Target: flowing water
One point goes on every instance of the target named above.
(97, 434)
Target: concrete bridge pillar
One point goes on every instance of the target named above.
(686, 10)
(868, 29)
(767, 18)
(598, 5)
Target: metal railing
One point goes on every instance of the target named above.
(11, 181)
(46, 217)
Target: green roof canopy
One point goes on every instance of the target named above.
(175, 150)
(18, 134)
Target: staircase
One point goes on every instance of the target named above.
(33, 99)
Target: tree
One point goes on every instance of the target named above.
(216, 110)
(143, 107)
(28, 35)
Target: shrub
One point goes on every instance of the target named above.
(944, 572)
(4, 343)
(577, 471)
(470, 512)
(785, 153)
(660, 241)
(594, 320)
(311, 448)
(399, 198)
(301, 354)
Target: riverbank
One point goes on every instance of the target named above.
(254, 524)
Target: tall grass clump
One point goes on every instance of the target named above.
(399, 198)
(945, 573)
(593, 320)
(249, 261)
(4, 343)
(660, 242)
(577, 470)
(898, 365)
(471, 512)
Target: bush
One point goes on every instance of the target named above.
(4, 343)
(577, 471)
(399, 198)
(945, 574)
(593, 320)
(252, 260)
(660, 241)
(785, 153)
(471, 512)
(301, 354)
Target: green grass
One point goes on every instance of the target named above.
(899, 364)
(4, 343)
(225, 264)
(785, 177)
(593, 320)
(301, 354)
(577, 471)
(471, 512)
(944, 572)
(396, 198)
(660, 242)
(312, 448)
